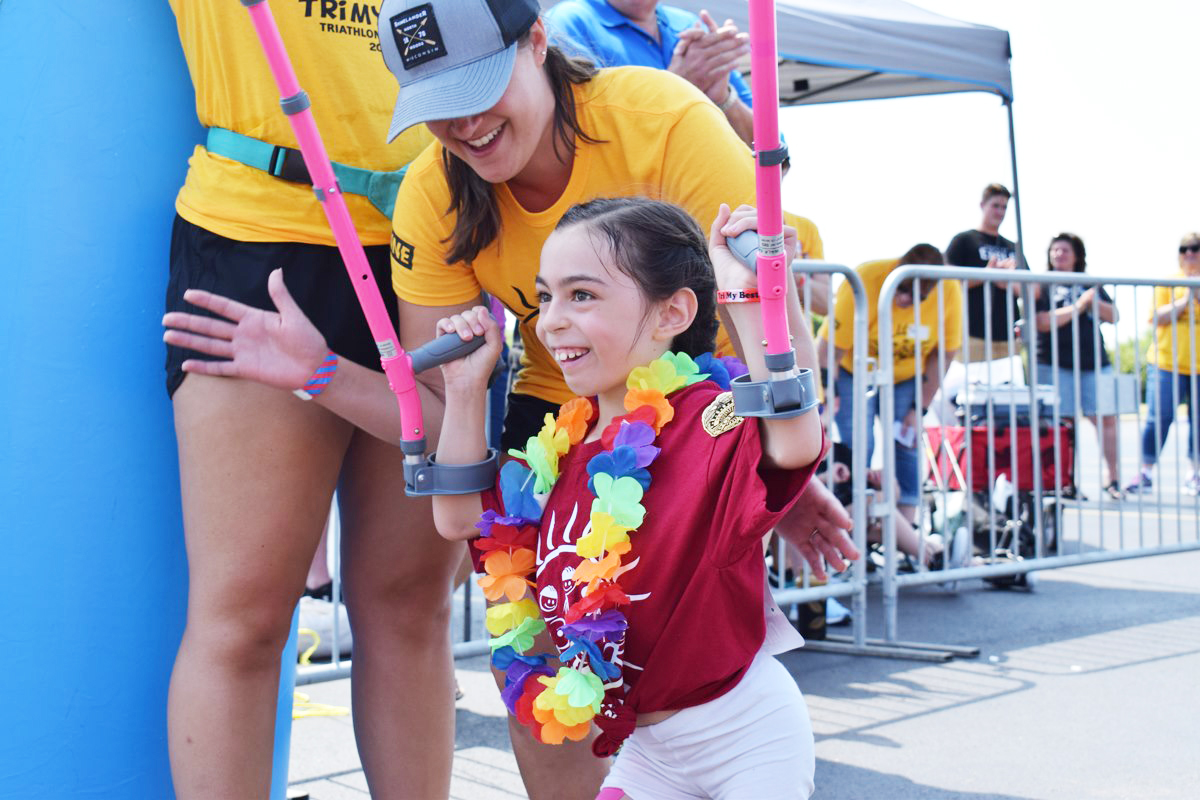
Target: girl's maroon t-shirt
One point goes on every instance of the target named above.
(696, 588)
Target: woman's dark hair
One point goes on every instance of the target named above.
(661, 248)
(1076, 245)
(922, 254)
(472, 199)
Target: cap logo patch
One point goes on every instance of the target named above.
(417, 36)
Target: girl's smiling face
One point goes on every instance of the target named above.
(593, 318)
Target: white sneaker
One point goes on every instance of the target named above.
(958, 555)
(835, 612)
(960, 547)
(316, 629)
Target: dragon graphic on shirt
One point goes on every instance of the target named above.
(556, 554)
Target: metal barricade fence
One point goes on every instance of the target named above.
(999, 462)
(853, 584)
(339, 663)
(473, 639)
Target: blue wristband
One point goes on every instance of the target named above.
(320, 379)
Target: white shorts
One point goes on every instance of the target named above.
(751, 743)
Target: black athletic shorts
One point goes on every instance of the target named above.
(523, 419)
(314, 274)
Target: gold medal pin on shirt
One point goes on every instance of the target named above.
(719, 418)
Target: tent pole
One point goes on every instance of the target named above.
(1026, 301)
(1012, 150)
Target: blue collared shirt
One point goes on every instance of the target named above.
(595, 29)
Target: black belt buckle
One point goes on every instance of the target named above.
(288, 164)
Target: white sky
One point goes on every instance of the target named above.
(1107, 112)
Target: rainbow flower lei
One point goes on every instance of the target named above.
(561, 704)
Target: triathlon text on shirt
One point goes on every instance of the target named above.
(340, 16)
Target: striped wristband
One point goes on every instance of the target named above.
(320, 379)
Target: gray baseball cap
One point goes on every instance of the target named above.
(452, 58)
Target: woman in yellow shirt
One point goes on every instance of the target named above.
(258, 466)
(1171, 364)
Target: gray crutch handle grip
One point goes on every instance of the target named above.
(442, 350)
(745, 247)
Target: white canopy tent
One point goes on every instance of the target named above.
(837, 50)
(833, 51)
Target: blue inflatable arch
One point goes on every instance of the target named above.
(97, 119)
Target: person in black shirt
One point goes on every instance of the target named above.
(985, 247)
(1078, 345)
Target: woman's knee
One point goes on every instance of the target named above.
(240, 635)
(410, 603)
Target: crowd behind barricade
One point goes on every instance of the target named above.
(983, 389)
(979, 350)
(519, 165)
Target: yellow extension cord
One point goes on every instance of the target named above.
(301, 705)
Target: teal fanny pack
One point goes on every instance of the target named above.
(287, 164)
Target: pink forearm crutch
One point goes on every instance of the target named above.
(421, 475)
(773, 269)
(789, 391)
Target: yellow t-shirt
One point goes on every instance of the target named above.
(806, 233)
(658, 136)
(335, 52)
(1172, 348)
(905, 335)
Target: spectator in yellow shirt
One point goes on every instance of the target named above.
(914, 349)
(1170, 364)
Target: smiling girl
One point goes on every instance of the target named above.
(641, 513)
(523, 134)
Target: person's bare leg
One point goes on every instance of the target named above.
(567, 771)
(318, 570)
(257, 469)
(465, 569)
(907, 539)
(1106, 429)
(398, 574)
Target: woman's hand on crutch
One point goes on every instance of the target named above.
(279, 348)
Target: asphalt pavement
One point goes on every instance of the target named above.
(1087, 685)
